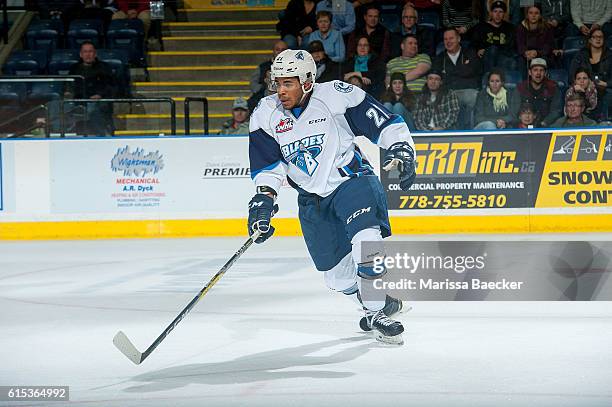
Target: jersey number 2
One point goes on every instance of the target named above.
(374, 115)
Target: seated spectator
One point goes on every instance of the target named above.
(463, 72)
(558, 16)
(133, 9)
(424, 36)
(526, 117)
(542, 93)
(331, 39)
(411, 64)
(399, 99)
(297, 21)
(583, 85)
(356, 80)
(239, 123)
(496, 107)
(494, 39)
(574, 113)
(96, 10)
(437, 107)
(591, 15)
(343, 19)
(534, 39)
(367, 66)
(99, 84)
(378, 36)
(461, 15)
(261, 74)
(596, 58)
(327, 70)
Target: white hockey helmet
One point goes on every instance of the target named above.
(290, 63)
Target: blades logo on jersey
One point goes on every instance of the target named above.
(303, 153)
(284, 125)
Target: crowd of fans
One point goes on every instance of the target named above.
(460, 64)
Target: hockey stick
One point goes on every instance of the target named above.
(126, 347)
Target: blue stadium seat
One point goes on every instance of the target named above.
(430, 20)
(42, 92)
(127, 34)
(577, 42)
(27, 62)
(568, 56)
(62, 60)
(45, 34)
(513, 78)
(12, 94)
(561, 77)
(85, 30)
(119, 62)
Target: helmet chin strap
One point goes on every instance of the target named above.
(305, 93)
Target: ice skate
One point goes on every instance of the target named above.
(386, 330)
(392, 307)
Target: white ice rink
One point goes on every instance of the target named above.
(271, 334)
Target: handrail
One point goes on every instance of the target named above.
(79, 80)
(204, 101)
(27, 113)
(168, 100)
(5, 28)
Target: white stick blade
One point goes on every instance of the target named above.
(126, 347)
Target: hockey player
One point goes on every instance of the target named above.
(306, 133)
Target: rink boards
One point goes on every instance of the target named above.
(468, 182)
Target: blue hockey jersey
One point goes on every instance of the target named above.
(315, 149)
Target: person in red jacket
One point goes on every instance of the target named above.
(135, 9)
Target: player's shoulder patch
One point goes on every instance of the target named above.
(343, 87)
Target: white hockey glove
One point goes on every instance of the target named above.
(401, 156)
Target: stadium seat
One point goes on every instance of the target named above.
(62, 60)
(42, 92)
(574, 43)
(430, 20)
(45, 35)
(12, 95)
(568, 56)
(127, 34)
(119, 62)
(85, 30)
(27, 62)
(513, 78)
(561, 77)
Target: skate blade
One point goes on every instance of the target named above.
(396, 340)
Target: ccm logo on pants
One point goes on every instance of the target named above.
(357, 213)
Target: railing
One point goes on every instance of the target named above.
(170, 101)
(36, 125)
(204, 102)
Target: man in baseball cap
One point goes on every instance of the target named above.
(494, 39)
(542, 93)
(239, 123)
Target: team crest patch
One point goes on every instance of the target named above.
(284, 125)
(299, 55)
(303, 153)
(343, 87)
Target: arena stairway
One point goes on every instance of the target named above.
(210, 51)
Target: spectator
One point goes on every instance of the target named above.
(494, 39)
(411, 64)
(557, 14)
(496, 108)
(331, 39)
(542, 93)
(463, 71)
(258, 77)
(583, 85)
(424, 36)
(356, 80)
(98, 84)
(596, 58)
(534, 39)
(461, 15)
(378, 36)
(297, 21)
(133, 9)
(96, 10)
(239, 123)
(437, 106)
(327, 70)
(399, 99)
(367, 66)
(590, 15)
(574, 113)
(343, 19)
(526, 116)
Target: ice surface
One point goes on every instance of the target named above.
(270, 333)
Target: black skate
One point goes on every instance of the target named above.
(386, 330)
(392, 307)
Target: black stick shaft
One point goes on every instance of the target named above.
(201, 294)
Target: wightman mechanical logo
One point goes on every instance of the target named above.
(137, 163)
